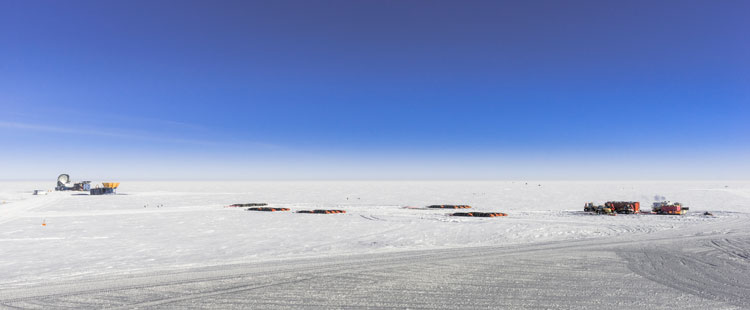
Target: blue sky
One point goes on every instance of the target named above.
(375, 89)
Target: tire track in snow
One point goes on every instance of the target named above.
(196, 284)
(733, 247)
(21, 208)
(714, 266)
(164, 289)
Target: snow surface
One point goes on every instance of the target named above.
(178, 245)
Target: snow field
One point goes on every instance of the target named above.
(174, 225)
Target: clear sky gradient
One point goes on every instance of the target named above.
(375, 89)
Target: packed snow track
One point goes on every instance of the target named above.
(696, 271)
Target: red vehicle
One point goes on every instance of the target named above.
(624, 207)
(669, 208)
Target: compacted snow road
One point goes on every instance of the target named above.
(707, 267)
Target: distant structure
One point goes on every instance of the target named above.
(64, 184)
(106, 189)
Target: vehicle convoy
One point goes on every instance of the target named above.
(665, 207)
(634, 207)
(612, 207)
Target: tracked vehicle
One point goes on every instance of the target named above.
(665, 207)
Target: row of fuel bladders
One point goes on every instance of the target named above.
(255, 206)
(634, 207)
